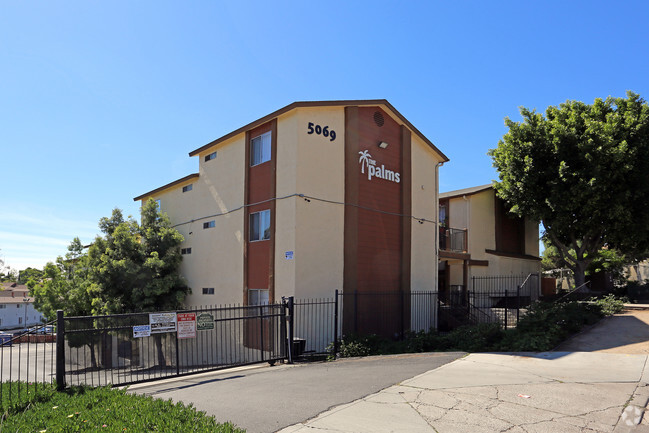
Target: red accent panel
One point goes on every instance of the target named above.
(260, 187)
(379, 234)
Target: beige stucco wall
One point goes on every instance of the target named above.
(423, 253)
(317, 168)
(218, 189)
(308, 164)
(482, 231)
(482, 236)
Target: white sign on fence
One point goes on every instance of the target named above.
(186, 325)
(140, 331)
(162, 322)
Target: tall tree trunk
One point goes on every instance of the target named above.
(580, 275)
(161, 355)
(93, 357)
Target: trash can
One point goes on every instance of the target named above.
(299, 344)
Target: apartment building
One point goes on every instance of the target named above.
(313, 197)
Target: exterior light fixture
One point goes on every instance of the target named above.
(383, 145)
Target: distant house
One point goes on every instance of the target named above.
(480, 239)
(17, 307)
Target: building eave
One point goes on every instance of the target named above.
(164, 187)
(305, 104)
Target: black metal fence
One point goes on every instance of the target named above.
(318, 324)
(27, 362)
(129, 348)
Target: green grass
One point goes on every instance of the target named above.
(99, 409)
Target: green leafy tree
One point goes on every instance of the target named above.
(66, 287)
(137, 265)
(583, 172)
(30, 274)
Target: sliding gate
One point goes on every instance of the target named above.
(138, 347)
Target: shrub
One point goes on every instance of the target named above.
(610, 305)
(482, 337)
(543, 327)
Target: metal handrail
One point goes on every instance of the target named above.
(572, 291)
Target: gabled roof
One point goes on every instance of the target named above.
(169, 185)
(301, 104)
(465, 191)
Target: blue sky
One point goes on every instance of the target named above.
(102, 101)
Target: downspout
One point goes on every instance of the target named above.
(436, 275)
(467, 268)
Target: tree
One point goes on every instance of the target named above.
(583, 172)
(137, 265)
(66, 287)
(30, 274)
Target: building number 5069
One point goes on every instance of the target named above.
(321, 130)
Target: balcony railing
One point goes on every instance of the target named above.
(452, 239)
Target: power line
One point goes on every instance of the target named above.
(308, 198)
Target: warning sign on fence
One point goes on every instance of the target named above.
(186, 325)
(162, 322)
(205, 322)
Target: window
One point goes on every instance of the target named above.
(17, 305)
(260, 225)
(257, 296)
(20, 320)
(210, 157)
(260, 149)
(187, 188)
(186, 250)
(3, 306)
(158, 203)
(208, 290)
(208, 225)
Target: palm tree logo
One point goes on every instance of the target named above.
(364, 159)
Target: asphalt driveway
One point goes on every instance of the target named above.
(267, 399)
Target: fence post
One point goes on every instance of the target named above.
(335, 323)
(177, 354)
(290, 304)
(261, 330)
(60, 351)
(506, 302)
(518, 303)
(402, 316)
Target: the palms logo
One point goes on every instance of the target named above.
(364, 159)
(366, 162)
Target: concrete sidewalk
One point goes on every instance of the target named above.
(516, 393)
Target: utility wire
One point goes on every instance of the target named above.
(308, 198)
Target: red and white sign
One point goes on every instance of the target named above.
(186, 325)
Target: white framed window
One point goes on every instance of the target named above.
(210, 157)
(3, 306)
(20, 320)
(187, 187)
(209, 224)
(260, 225)
(186, 250)
(258, 297)
(208, 290)
(260, 149)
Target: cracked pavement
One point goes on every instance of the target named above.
(514, 393)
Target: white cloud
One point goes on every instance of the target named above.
(32, 236)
